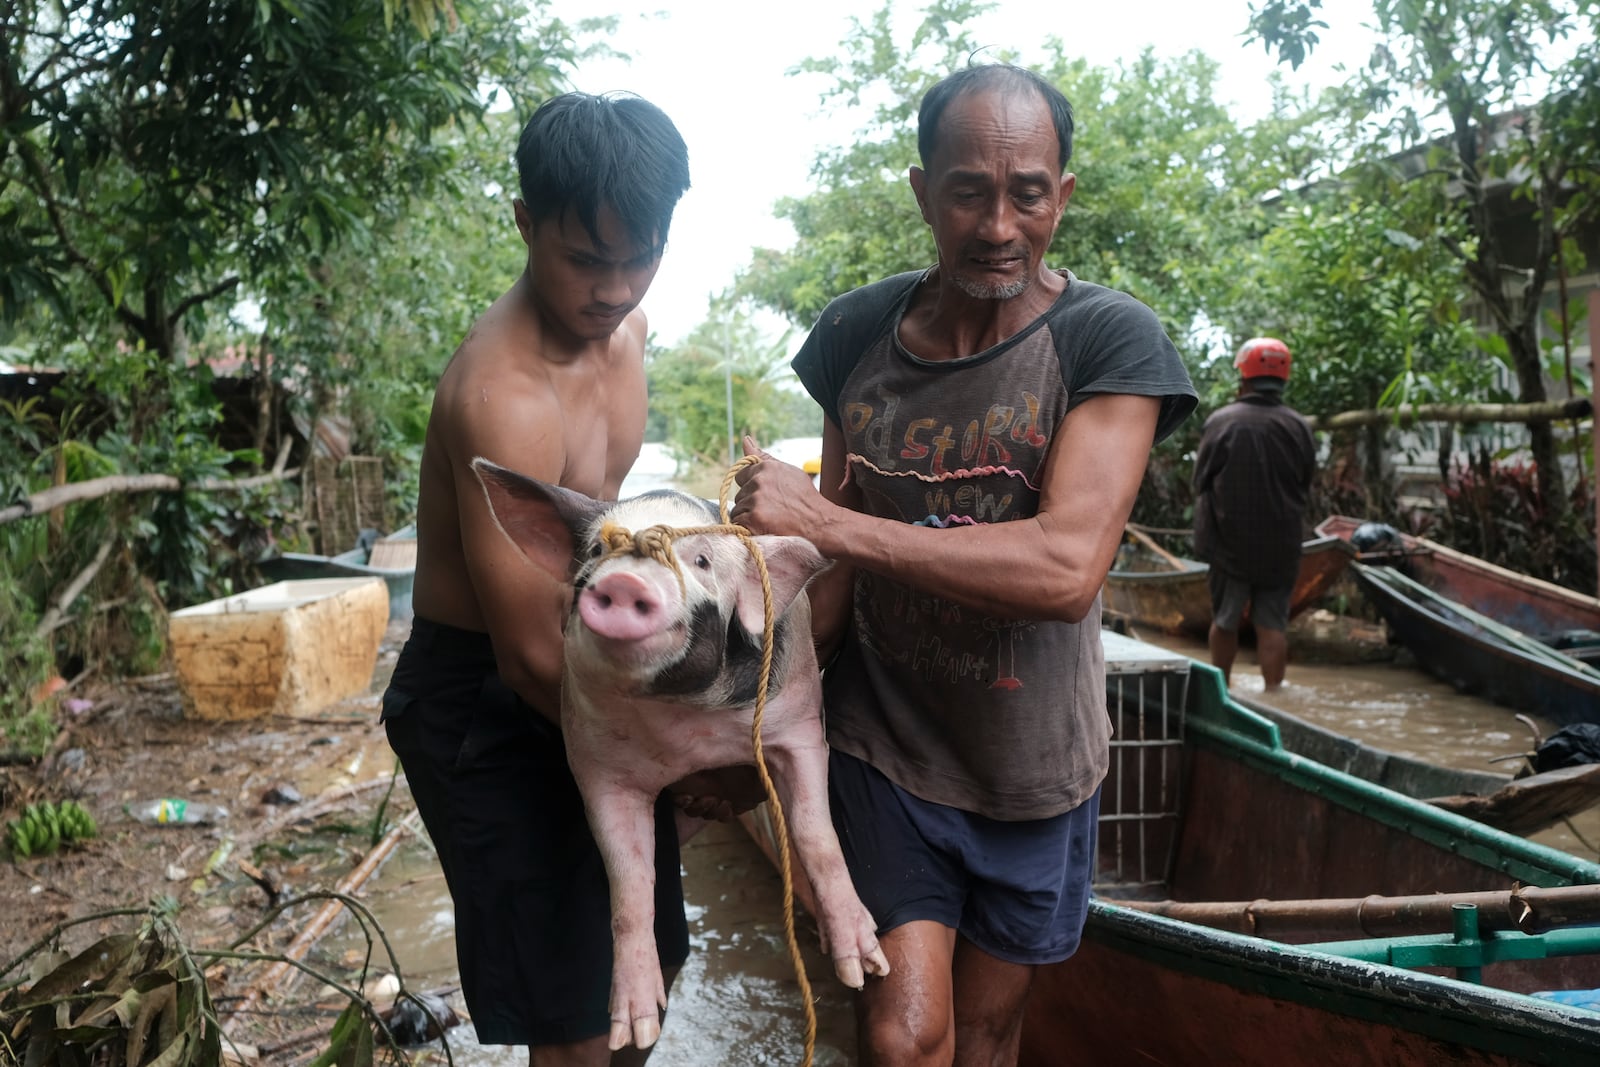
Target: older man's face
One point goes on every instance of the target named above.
(993, 191)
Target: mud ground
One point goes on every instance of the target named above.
(735, 1002)
(132, 743)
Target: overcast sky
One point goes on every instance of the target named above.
(719, 69)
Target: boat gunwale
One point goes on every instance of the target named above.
(1216, 720)
(1466, 630)
(1435, 1006)
(1423, 546)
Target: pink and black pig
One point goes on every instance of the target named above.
(659, 682)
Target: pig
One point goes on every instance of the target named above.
(659, 682)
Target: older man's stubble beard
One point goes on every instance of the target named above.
(996, 291)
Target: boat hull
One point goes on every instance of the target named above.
(1202, 803)
(1458, 652)
(1521, 806)
(298, 566)
(1537, 608)
(1145, 990)
(1179, 602)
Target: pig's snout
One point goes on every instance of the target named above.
(622, 606)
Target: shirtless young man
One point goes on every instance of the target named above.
(550, 381)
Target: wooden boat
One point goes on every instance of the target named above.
(1204, 809)
(1561, 618)
(392, 558)
(1521, 806)
(1179, 601)
(1478, 655)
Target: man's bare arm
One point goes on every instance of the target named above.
(523, 608)
(1048, 567)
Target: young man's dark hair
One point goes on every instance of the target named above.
(580, 151)
(1001, 76)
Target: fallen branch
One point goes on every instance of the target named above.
(312, 932)
(322, 802)
(1405, 414)
(52, 618)
(95, 488)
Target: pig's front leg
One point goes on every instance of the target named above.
(623, 823)
(849, 933)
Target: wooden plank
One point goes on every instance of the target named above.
(398, 553)
(1528, 805)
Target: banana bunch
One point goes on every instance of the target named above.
(46, 826)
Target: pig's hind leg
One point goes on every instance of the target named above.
(623, 823)
(849, 933)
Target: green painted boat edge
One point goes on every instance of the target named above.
(1445, 1009)
(1214, 719)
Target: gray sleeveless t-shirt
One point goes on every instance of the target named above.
(999, 716)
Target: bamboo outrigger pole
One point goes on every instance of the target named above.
(1530, 909)
(1575, 407)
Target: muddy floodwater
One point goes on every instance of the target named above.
(737, 1001)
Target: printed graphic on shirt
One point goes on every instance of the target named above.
(940, 452)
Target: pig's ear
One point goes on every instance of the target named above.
(791, 563)
(545, 521)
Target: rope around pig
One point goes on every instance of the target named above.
(655, 543)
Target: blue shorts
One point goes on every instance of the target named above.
(1017, 890)
(533, 911)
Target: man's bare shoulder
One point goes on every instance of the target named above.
(495, 388)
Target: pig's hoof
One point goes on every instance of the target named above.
(852, 970)
(642, 1031)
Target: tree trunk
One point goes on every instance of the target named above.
(264, 405)
(1524, 347)
(1486, 269)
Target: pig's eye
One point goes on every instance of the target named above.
(703, 562)
(594, 551)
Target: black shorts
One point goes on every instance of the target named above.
(533, 915)
(1269, 605)
(1017, 890)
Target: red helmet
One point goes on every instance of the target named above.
(1263, 357)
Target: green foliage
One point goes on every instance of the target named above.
(366, 328)
(1169, 188)
(26, 661)
(1367, 298)
(862, 223)
(45, 827)
(159, 155)
(26, 727)
(1476, 102)
(690, 385)
(343, 166)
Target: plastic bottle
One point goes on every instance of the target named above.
(172, 811)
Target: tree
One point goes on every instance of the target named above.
(365, 328)
(330, 159)
(161, 154)
(1169, 185)
(725, 360)
(1471, 63)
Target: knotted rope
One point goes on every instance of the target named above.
(655, 543)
